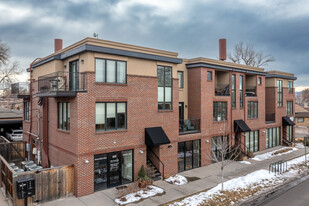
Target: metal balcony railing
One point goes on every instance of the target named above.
(62, 82)
(189, 126)
(20, 89)
(250, 91)
(270, 118)
(222, 90)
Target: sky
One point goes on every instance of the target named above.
(191, 28)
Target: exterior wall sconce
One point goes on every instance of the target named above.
(82, 61)
(65, 66)
(207, 141)
(141, 151)
(86, 161)
(169, 146)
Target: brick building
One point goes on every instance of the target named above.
(110, 108)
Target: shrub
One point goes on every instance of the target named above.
(142, 175)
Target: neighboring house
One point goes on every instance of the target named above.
(109, 108)
(301, 121)
(10, 119)
(306, 105)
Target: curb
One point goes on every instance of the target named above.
(269, 195)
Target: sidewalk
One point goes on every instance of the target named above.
(209, 177)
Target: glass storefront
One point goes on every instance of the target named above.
(272, 137)
(189, 155)
(112, 169)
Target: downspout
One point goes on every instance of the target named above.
(231, 99)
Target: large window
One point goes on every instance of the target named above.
(220, 111)
(289, 108)
(27, 111)
(259, 80)
(219, 148)
(290, 87)
(233, 91)
(241, 91)
(64, 115)
(252, 110)
(289, 133)
(164, 88)
(180, 77)
(209, 76)
(110, 116)
(110, 71)
(252, 141)
(280, 93)
(189, 155)
(272, 137)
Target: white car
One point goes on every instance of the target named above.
(15, 135)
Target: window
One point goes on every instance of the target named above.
(209, 76)
(220, 111)
(164, 88)
(64, 115)
(259, 80)
(110, 116)
(27, 111)
(180, 77)
(216, 144)
(290, 86)
(300, 119)
(233, 91)
(289, 108)
(110, 71)
(252, 141)
(189, 155)
(289, 133)
(252, 110)
(280, 93)
(241, 91)
(272, 137)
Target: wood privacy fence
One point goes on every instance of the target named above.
(13, 151)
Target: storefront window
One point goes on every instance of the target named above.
(189, 155)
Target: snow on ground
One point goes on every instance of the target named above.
(141, 194)
(251, 180)
(269, 155)
(177, 180)
(245, 162)
(299, 145)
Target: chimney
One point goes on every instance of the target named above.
(58, 44)
(222, 49)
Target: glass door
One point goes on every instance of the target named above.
(73, 76)
(100, 172)
(114, 169)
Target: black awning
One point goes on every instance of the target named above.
(287, 121)
(240, 125)
(155, 136)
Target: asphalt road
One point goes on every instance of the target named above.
(297, 196)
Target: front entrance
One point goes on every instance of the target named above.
(113, 169)
(189, 155)
(73, 76)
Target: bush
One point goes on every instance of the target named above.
(142, 175)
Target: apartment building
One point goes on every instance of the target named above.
(109, 108)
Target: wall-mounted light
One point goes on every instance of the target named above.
(115, 142)
(207, 141)
(82, 61)
(141, 151)
(186, 106)
(65, 66)
(169, 146)
(86, 161)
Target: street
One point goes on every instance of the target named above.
(297, 196)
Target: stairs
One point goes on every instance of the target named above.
(287, 142)
(152, 171)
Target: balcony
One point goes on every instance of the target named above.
(251, 91)
(61, 84)
(222, 90)
(270, 118)
(189, 126)
(20, 90)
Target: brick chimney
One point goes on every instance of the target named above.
(58, 45)
(222, 49)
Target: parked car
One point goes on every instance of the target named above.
(15, 135)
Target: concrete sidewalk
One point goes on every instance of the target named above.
(209, 177)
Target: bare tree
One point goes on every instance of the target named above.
(4, 53)
(248, 55)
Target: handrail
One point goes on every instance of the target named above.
(158, 159)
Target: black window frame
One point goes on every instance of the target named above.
(241, 91)
(289, 111)
(105, 72)
(116, 117)
(259, 80)
(252, 148)
(290, 85)
(27, 110)
(218, 151)
(280, 93)
(68, 116)
(217, 105)
(209, 74)
(185, 152)
(181, 80)
(165, 103)
(233, 91)
(270, 141)
(251, 113)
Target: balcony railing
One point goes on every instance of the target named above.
(270, 118)
(250, 91)
(189, 126)
(20, 89)
(222, 90)
(61, 84)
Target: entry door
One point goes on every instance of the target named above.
(73, 76)
(114, 160)
(181, 112)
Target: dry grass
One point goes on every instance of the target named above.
(130, 188)
(282, 151)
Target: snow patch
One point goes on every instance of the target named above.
(269, 155)
(141, 194)
(177, 180)
(245, 162)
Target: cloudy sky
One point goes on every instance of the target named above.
(191, 28)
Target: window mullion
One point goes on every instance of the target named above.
(116, 115)
(105, 116)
